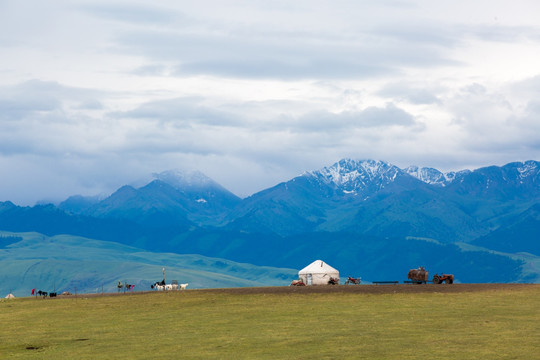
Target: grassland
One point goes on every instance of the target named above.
(491, 323)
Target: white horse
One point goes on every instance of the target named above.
(171, 287)
(161, 286)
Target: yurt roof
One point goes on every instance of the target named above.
(10, 296)
(317, 267)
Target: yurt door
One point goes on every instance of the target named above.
(309, 279)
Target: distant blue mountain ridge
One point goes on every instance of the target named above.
(362, 216)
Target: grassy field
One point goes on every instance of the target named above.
(198, 324)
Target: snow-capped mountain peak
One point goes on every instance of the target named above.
(428, 175)
(352, 176)
(182, 178)
(433, 176)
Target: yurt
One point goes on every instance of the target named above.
(10, 296)
(318, 273)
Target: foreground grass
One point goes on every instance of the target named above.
(203, 325)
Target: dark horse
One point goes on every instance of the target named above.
(126, 285)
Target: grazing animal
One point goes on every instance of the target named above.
(158, 286)
(159, 283)
(161, 286)
(298, 282)
(128, 287)
(171, 287)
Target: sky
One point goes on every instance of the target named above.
(98, 94)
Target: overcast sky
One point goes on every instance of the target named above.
(97, 94)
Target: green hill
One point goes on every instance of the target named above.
(71, 263)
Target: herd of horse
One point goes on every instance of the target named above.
(158, 285)
(161, 286)
(127, 286)
(43, 293)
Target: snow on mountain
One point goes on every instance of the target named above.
(353, 176)
(181, 179)
(433, 176)
(427, 175)
(197, 186)
(455, 175)
(202, 191)
(528, 169)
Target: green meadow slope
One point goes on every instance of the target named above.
(71, 263)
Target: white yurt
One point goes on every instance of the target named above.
(318, 273)
(10, 296)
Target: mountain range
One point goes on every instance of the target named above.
(365, 217)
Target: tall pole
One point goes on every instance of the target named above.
(163, 275)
